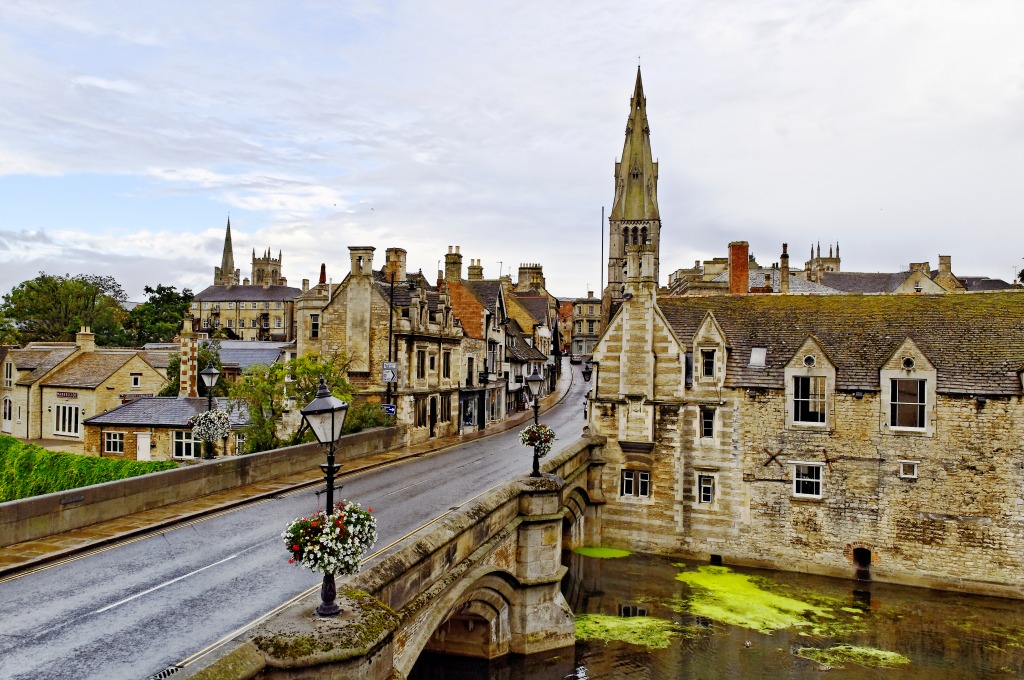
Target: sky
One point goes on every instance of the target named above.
(130, 132)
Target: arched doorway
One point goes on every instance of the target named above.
(862, 558)
(7, 423)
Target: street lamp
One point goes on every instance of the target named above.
(587, 372)
(326, 416)
(533, 382)
(210, 375)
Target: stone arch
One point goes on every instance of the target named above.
(575, 509)
(485, 596)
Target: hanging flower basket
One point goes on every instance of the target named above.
(209, 426)
(538, 436)
(332, 544)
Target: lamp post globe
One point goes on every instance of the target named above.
(325, 416)
(209, 376)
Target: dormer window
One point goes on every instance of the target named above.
(707, 363)
(809, 399)
(907, 402)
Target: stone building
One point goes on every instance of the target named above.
(635, 218)
(49, 388)
(855, 435)
(260, 308)
(358, 318)
(586, 323)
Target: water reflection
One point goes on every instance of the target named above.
(944, 635)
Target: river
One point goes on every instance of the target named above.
(694, 620)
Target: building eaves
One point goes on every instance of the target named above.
(247, 294)
(167, 412)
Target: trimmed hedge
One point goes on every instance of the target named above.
(29, 470)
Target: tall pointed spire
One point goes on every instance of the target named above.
(225, 275)
(635, 218)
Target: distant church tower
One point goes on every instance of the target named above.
(634, 219)
(226, 274)
(266, 270)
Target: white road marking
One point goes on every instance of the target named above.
(164, 585)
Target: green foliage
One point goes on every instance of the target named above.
(159, 318)
(28, 470)
(209, 353)
(364, 416)
(54, 308)
(267, 393)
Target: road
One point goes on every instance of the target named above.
(135, 608)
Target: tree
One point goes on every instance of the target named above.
(54, 308)
(209, 353)
(268, 390)
(158, 319)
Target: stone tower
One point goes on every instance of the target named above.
(266, 270)
(226, 274)
(634, 219)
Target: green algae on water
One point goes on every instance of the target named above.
(603, 553)
(864, 656)
(643, 631)
(725, 596)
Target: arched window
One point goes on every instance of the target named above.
(643, 235)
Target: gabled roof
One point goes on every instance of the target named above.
(404, 294)
(40, 358)
(470, 299)
(537, 306)
(976, 342)
(519, 349)
(247, 294)
(865, 282)
(167, 412)
(89, 369)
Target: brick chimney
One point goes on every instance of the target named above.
(784, 270)
(739, 268)
(188, 352)
(476, 270)
(86, 340)
(453, 265)
(395, 263)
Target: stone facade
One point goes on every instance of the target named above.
(587, 324)
(873, 436)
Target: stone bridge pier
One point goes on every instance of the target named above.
(484, 583)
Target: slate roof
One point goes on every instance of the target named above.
(984, 283)
(158, 359)
(537, 306)
(403, 294)
(865, 282)
(89, 370)
(247, 358)
(975, 342)
(40, 359)
(520, 350)
(167, 412)
(485, 290)
(797, 285)
(247, 294)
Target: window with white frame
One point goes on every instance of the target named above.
(314, 325)
(240, 443)
(807, 479)
(809, 399)
(907, 403)
(635, 483)
(590, 327)
(184, 445)
(707, 422)
(253, 305)
(8, 374)
(908, 469)
(231, 305)
(277, 322)
(206, 322)
(253, 323)
(705, 489)
(65, 419)
(113, 442)
(136, 380)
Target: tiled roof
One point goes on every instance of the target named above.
(89, 369)
(487, 291)
(404, 294)
(158, 359)
(797, 285)
(467, 309)
(40, 359)
(865, 282)
(246, 358)
(520, 350)
(983, 283)
(167, 412)
(976, 342)
(247, 294)
(537, 306)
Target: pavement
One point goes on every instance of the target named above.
(29, 554)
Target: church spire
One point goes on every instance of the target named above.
(226, 275)
(635, 218)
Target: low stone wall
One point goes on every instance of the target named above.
(31, 518)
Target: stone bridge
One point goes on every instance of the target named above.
(485, 582)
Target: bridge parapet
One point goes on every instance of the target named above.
(483, 582)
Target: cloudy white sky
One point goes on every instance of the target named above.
(129, 131)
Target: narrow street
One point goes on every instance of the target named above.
(135, 608)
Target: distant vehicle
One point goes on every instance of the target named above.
(576, 359)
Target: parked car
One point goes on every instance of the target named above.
(576, 359)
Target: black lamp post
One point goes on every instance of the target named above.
(210, 375)
(326, 416)
(533, 382)
(587, 372)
